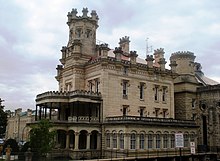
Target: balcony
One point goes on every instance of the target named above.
(150, 121)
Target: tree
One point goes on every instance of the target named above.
(41, 138)
(3, 120)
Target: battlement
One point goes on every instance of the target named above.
(124, 40)
(183, 54)
(73, 15)
(161, 50)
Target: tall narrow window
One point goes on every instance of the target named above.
(141, 91)
(165, 141)
(133, 141)
(150, 141)
(158, 141)
(78, 32)
(114, 140)
(125, 71)
(186, 140)
(90, 86)
(108, 140)
(121, 139)
(125, 89)
(141, 112)
(125, 110)
(164, 94)
(141, 141)
(172, 141)
(97, 86)
(156, 92)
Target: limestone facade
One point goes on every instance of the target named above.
(111, 103)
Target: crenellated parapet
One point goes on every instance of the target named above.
(124, 39)
(183, 55)
(73, 15)
(159, 51)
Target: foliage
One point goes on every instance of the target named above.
(24, 149)
(41, 138)
(3, 120)
(13, 145)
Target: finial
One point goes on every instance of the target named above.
(85, 12)
(74, 12)
(94, 15)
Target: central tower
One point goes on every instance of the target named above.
(83, 29)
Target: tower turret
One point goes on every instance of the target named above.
(184, 61)
(83, 28)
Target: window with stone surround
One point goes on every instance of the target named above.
(125, 70)
(108, 140)
(121, 140)
(150, 141)
(125, 88)
(133, 141)
(141, 141)
(156, 93)
(172, 141)
(141, 88)
(164, 90)
(165, 141)
(78, 32)
(90, 85)
(114, 140)
(125, 110)
(158, 141)
(97, 82)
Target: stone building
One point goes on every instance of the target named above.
(113, 104)
(16, 124)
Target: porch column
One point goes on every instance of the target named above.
(45, 110)
(40, 113)
(76, 140)
(67, 140)
(50, 110)
(88, 141)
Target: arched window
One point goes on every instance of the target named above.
(121, 140)
(186, 140)
(108, 140)
(114, 140)
(133, 141)
(158, 141)
(165, 141)
(141, 141)
(172, 141)
(150, 141)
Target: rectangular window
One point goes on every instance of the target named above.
(156, 93)
(157, 112)
(141, 112)
(186, 140)
(97, 86)
(124, 110)
(141, 141)
(141, 91)
(125, 88)
(90, 86)
(164, 94)
(150, 141)
(125, 72)
(133, 141)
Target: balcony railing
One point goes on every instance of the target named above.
(150, 120)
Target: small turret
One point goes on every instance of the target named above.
(158, 56)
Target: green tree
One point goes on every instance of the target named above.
(3, 120)
(42, 138)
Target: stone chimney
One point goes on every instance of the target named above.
(150, 60)
(118, 51)
(173, 66)
(124, 44)
(162, 62)
(133, 57)
(104, 50)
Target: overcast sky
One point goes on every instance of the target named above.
(32, 32)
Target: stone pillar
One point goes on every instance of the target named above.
(67, 140)
(137, 141)
(133, 57)
(76, 140)
(118, 51)
(88, 141)
(150, 60)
